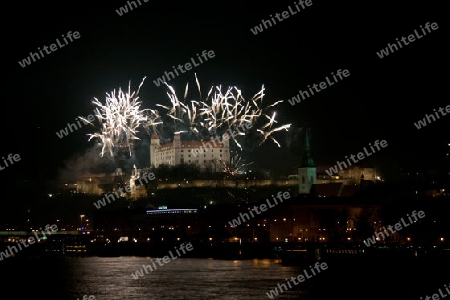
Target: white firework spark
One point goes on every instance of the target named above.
(237, 165)
(221, 110)
(120, 118)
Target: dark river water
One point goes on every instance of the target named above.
(190, 278)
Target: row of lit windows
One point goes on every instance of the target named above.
(171, 149)
(204, 155)
(163, 149)
(167, 156)
(197, 161)
(205, 150)
(182, 158)
(207, 143)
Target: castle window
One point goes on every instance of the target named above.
(303, 179)
(220, 150)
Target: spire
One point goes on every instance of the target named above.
(307, 161)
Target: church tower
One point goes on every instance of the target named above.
(307, 174)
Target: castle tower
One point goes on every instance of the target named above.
(154, 144)
(177, 147)
(177, 140)
(307, 174)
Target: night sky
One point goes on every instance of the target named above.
(381, 99)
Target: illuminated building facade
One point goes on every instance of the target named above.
(204, 154)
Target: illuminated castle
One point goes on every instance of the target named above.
(208, 155)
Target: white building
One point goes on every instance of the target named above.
(208, 155)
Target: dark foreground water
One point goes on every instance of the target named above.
(189, 278)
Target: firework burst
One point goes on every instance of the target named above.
(223, 109)
(120, 118)
(237, 165)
